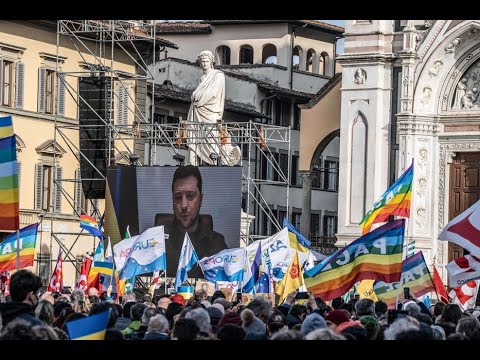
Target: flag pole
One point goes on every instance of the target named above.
(431, 278)
(18, 249)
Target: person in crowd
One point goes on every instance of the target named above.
(24, 287)
(187, 196)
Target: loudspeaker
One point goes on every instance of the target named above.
(94, 96)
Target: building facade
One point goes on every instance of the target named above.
(271, 68)
(410, 91)
(48, 166)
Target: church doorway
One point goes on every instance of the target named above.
(464, 191)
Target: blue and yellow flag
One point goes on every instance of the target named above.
(93, 327)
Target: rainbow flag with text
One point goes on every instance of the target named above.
(415, 275)
(8, 249)
(376, 255)
(394, 201)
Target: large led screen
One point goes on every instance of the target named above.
(141, 197)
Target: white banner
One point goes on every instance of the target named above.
(147, 253)
(276, 253)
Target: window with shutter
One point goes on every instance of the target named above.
(79, 199)
(122, 105)
(58, 190)
(61, 95)
(49, 91)
(7, 83)
(42, 73)
(19, 85)
(38, 186)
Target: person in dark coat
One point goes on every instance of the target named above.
(24, 286)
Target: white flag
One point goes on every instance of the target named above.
(147, 254)
(122, 250)
(464, 230)
(188, 258)
(466, 295)
(276, 253)
(462, 270)
(227, 265)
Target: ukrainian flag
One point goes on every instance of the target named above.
(185, 291)
(90, 328)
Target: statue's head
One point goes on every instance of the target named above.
(206, 54)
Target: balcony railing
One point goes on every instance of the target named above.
(323, 244)
(28, 217)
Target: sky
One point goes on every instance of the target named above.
(341, 41)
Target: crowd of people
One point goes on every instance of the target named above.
(28, 313)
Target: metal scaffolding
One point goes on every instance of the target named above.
(103, 41)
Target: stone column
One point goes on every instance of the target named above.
(307, 178)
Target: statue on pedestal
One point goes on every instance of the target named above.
(207, 105)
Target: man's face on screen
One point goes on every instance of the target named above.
(187, 201)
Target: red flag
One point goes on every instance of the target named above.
(464, 230)
(56, 281)
(84, 270)
(466, 295)
(5, 282)
(439, 287)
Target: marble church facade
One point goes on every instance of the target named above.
(410, 90)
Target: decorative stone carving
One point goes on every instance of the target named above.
(447, 153)
(422, 186)
(460, 92)
(426, 96)
(435, 28)
(467, 89)
(417, 128)
(435, 69)
(423, 155)
(450, 48)
(360, 76)
(421, 217)
(440, 252)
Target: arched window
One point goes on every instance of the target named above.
(222, 55)
(269, 54)
(323, 63)
(310, 60)
(246, 54)
(297, 55)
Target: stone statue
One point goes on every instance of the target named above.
(207, 107)
(360, 76)
(460, 93)
(468, 100)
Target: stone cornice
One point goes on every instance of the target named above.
(364, 58)
(417, 128)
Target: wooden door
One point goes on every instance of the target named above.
(464, 191)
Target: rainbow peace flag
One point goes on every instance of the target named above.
(395, 201)
(91, 225)
(93, 327)
(9, 216)
(415, 275)
(8, 249)
(376, 255)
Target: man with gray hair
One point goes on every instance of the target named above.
(202, 319)
(157, 328)
(261, 308)
(364, 307)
